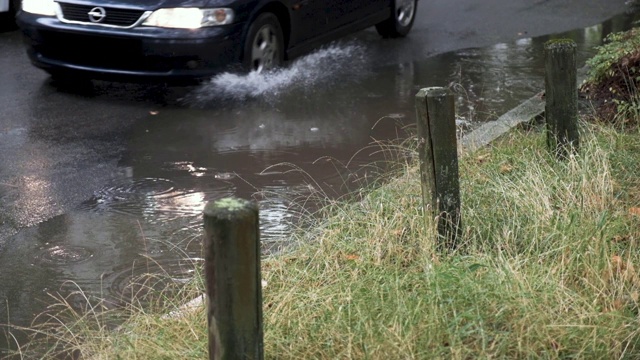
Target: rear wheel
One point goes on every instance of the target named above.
(264, 44)
(401, 20)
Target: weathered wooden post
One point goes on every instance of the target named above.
(438, 151)
(232, 272)
(561, 96)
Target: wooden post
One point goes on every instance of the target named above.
(234, 286)
(561, 96)
(438, 151)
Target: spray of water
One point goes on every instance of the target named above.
(327, 66)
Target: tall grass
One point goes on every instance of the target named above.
(547, 270)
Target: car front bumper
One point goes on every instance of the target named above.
(142, 52)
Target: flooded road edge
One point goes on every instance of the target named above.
(527, 112)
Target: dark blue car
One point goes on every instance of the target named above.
(192, 38)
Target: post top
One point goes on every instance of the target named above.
(228, 205)
(560, 44)
(434, 91)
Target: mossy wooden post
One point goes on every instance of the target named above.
(438, 151)
(561, 96)
(232, 272)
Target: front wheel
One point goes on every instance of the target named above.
(401, 20)
(264, 44)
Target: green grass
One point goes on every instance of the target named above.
(546, 270)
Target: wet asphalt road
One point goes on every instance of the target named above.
(40, 122)
(91, 177)
(450, 25)
(447, 25)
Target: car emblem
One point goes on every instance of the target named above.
(97, 14)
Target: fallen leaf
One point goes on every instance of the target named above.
(630, 271)
(483, 158)
(618, 304)
(617, 263)
(398, 232)
(352, 257)
(622, 268)
(620, 238)
(634, 211)
(505, 168)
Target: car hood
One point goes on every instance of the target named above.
(144, 4)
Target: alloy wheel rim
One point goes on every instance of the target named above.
(404, 11)
(264, 49)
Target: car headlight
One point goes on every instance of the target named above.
(40, 7)
(189, 18)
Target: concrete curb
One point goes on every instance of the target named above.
(526, 112)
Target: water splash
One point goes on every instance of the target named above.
(64, 255)
(326, 66)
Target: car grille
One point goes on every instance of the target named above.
(108, 52)
(114, 16)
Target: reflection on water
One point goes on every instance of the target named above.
(489, 81)
(291, 139)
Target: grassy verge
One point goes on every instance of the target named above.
(548, 270)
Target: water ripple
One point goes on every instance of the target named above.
(64, 255)
(125, 281)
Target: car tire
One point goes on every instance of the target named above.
(264, 44)
(403, 13)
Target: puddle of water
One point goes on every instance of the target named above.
(129, 281)
(290, 139)
(492, 80)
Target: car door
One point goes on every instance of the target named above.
(351, 11)
(309, 19)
